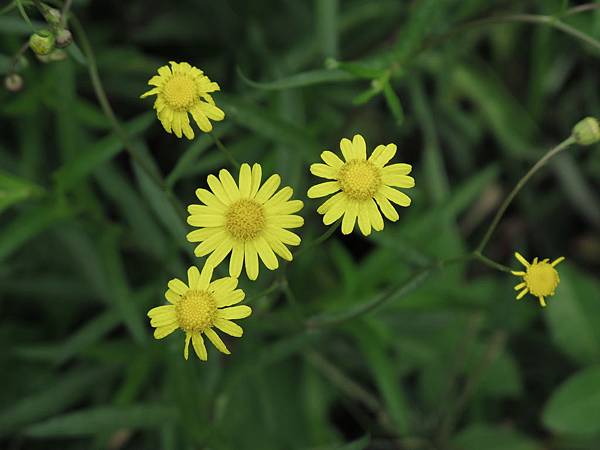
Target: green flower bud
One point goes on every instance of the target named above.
(63, 38)
(42, 42)
(13, 82)
(55, 55)
(587, 131)
(52, 15)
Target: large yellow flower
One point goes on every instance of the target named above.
(183, 89)
(198, 307)
(248, 220)
(362, 183)
(539, 279)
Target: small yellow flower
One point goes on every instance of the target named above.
(540, 279)
(363, 183)
(246, 219)
(198, 307)
(183, 89)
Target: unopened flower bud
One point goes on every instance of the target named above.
(63, 38)
(55, 55)
(42, 42)
(13, 82)
(52, 15)
(587, 131)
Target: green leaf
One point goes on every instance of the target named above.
(29, 224)
(65, 391)
(14, 190)
(309, 78)
(573, 315)
(103, 420)
(488, 437)
(574, 406)
(393, 103)
(89, 159)
(386, 376)
(267, 125)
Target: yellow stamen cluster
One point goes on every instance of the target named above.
(245, 220)
(540, 278)
(360, 180)
(196, 311)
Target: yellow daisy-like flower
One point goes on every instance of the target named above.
(363, 184)
(198, 307)
(539, 279)
(246, 219)
(182, 89)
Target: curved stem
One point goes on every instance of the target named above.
(553, 152)
(225, 151)
(318, 240)
(491, 263)
(114, 121)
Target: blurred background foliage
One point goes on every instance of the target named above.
(88, 240)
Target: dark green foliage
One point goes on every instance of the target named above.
(359, 343)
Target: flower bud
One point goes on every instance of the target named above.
(42, 42)
(52, 15)
(55, 55)
(587, 131)
(13, 82)
(63, 38)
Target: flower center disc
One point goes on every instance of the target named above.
(360, 180)
(245, 220)
(541, 279)
(196, 310)
(180, 92)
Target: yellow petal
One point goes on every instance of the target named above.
(332, 159)
(387, 208)
(229, 185)
(210, 199)
(199, 347)
(186, 345)
(230, 298)
(521, 259)
(220, 253)
(522, 294)
(323, 189)
(161, 311)
(287, 221)
(268, 189)
(256, 179)
(178, 286)
(364, 222)
(172, 297)
(193, 277)
(210, 244)
(205, 220)
(216, 341)
(360, 147)
(349, 218)
(251, 260)
(374, 215)
(557, 261)
(229, 327)
(347, 149)
(162, 332)
(400, 198)
(323, 171)
(245, 180)
(237, 259)
(382, 154)
(235, 312)
(218, 189)
(266, 254)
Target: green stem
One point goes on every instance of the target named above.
(491, 263)
(65, 12)
(553, 152)
(318, 240)
(225, 151)
(114, 121)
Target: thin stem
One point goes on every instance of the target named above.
(225, 151)
(553, 152)
(491, 263)
(318, 240)
(65, 12)
(581, 8)
(493, 349)
(108, 111)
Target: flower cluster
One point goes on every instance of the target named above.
(247, 219)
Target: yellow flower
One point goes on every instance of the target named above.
(183, 89)
(246, 219)
(362, 182)
(198, 307)
(540, 279)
